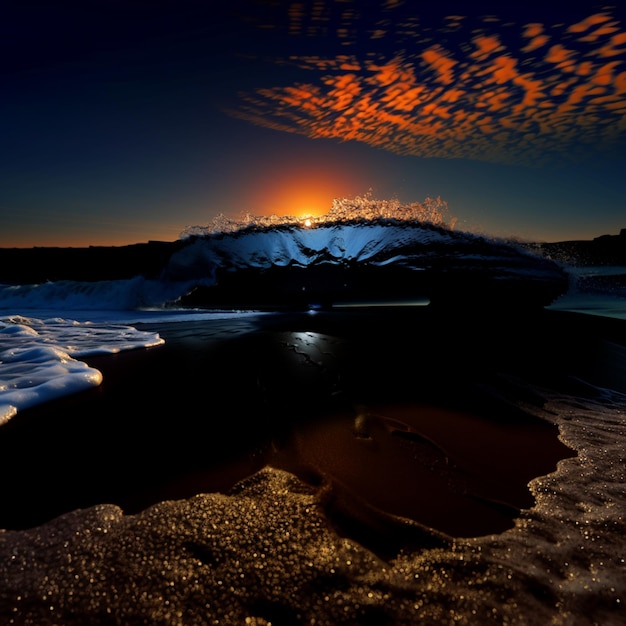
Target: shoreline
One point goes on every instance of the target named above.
(288, 391)
(312, 546)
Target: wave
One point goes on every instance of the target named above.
(376, 259)
(363, 248)
(102, 295)
(297, 265)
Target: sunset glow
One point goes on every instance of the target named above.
(297, 201)
(302, 191)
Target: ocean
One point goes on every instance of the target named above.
(389, 460)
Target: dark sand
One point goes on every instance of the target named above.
(409, 412)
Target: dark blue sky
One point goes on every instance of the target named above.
(128, 121)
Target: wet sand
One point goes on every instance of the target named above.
(399, 412)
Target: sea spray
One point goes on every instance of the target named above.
(432, 211)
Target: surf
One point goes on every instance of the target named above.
(362, 249)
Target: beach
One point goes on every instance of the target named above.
(318, 468)
(219, 400)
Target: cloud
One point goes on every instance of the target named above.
(492, 91)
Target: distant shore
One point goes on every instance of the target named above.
(603, 250)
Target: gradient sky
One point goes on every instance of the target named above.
(125, 121)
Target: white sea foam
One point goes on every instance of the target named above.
(37, 357)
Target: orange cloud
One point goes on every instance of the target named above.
(496, 101)
(485, 46)
(607, 29)
(538, 39)
(589, 22)
(392, 72)
(442, 64)
(560, 56)
(614, 47)
(502, 70)
(585, 68)
(605, 74)
(481, 97)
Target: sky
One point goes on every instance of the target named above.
(128, 121)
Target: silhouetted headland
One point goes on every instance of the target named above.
(23, 266)
(603, 250)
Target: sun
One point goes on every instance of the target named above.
(307, 222)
